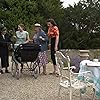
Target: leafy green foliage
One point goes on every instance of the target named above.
(13, 12)
(82, 25)
(79, 24)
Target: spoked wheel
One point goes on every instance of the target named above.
(35, 71)
(15, 70)
(18, 72)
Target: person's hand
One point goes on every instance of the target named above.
(30, 41)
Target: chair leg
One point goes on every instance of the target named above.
(59, 91)
(93, 94)
(80, 96)
(70, 93)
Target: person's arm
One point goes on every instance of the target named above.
(56, 30)
(27, 38)
(56, 43)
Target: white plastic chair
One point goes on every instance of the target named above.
(70, 81)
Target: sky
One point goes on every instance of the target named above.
(67, 2)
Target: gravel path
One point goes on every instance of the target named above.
(45, 87)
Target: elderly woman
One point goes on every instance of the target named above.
(41, 39)
(4, 51)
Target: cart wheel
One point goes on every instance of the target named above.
(18, 72)
(35, 73)
(13, 69)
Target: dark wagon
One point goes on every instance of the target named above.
(25, 56)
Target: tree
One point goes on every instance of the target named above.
(28, 12)
(82, 25)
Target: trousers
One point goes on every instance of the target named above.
(53, 50)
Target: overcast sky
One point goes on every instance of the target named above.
(67, 2)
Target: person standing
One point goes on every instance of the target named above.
(22, 37)
(4, 51)
(53, 34)
(41, 39)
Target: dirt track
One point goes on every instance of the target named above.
(45, 87)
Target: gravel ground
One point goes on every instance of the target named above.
(45, 87)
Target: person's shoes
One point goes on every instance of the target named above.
(54, 73)
(6, 71)
(57, 75)
(43, 73)
(1, 72)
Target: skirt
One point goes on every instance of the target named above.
(43, 59)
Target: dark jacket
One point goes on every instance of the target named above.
(4, 43)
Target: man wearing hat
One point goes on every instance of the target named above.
(4, 42)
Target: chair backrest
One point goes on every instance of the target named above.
(61, 58)
(76, 80)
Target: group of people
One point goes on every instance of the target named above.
(40, 37)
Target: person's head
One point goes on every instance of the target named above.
(51, 23)
(37, 27)
(3, 30)
(84, 54)
(21, 27)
